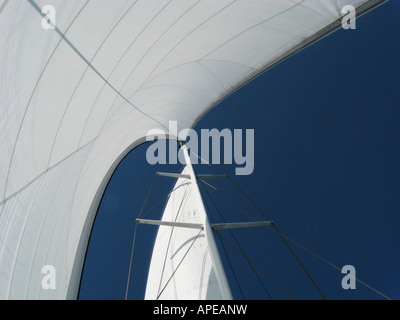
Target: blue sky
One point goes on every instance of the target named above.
(327, 171)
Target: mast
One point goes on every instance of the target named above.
(216, 260)
(185, 262)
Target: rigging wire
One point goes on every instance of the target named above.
(169, 240)
(257, 266)
(224, 197)
(237, 243)
(274, 226)
(180, 262)
(134, 237)
(303, 247)
(284, 238)
(162, 200)
(223, 247)
(230, 199)
(331, 264)
(284, 241)
(130, 264)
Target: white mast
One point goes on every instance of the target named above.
(186, 262)
(217, 264)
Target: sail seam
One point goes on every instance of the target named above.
(44, 172)
(152, 46)
(33, 92)
(183, 39)
(112, 72)
(254, 26)
(81, 78)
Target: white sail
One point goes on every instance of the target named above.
(75, 100)
(185, 264)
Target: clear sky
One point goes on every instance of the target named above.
(327, 171)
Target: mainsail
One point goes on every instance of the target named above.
(75, 100)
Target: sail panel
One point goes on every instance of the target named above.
(76, 100)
